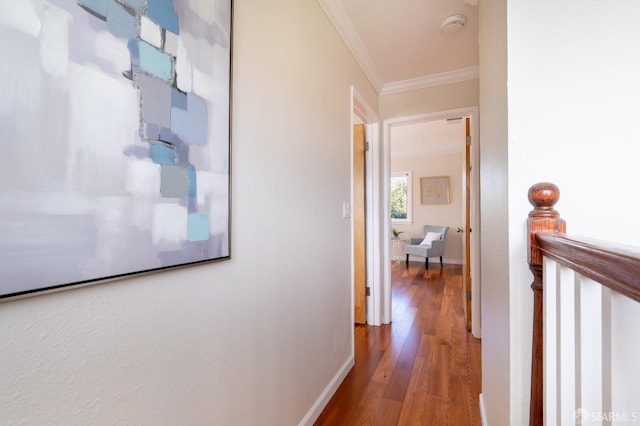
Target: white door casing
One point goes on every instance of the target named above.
(381, 177)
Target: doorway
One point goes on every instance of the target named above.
(473, 241)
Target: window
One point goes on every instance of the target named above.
(400, 197)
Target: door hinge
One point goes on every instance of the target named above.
(366, 146)
(468, 140)
(368, 291)
(469, 296)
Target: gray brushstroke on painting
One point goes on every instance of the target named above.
(60, 244)
(82, 43)
(137, 151)
(155, 100)
(193, 249)
(174, 181)
(201, 37)
(27, 160)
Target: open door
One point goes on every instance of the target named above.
(359, 226)
(466, 232)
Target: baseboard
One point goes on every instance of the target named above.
(476, 332)
(483, 411)
(322, 401)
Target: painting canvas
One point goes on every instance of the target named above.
(434, 190)
(114, 120)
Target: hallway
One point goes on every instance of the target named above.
(424, 368)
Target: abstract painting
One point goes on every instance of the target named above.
(434, 190)
(114, 120)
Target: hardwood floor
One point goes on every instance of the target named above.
(424, 368)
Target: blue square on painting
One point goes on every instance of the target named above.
(163, 13)
(191, 125)
(198, 227)
(120, 21)
(162, 154)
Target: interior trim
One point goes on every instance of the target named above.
(455, 76)
(341, 22)
(343, 25)
(328, 392)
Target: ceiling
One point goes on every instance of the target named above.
(399, 45)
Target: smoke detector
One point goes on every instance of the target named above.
(453, 24)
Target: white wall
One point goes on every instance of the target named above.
(573, 98)
(253, 340)
(450, 214)
(431, 99)
(496, 363)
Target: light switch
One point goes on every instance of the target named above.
(346, 210)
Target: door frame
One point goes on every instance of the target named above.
(384, 179)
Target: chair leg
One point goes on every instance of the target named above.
(441, 261)
(426, 263)
(407, 261)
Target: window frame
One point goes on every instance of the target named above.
(409, 176)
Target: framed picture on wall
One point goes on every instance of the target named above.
(434, 190)
(116, 139)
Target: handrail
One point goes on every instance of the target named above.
(614, 266)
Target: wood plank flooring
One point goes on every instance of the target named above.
(424, 368)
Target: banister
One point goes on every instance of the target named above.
(612, 265)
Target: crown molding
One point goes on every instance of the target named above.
(455, 76)
(343, 25)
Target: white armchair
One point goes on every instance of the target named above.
(430, 245)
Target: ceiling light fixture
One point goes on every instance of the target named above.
(453, 24)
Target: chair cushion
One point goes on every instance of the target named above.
(431, 236)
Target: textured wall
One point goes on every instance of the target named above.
(253, 340)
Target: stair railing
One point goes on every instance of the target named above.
(575, 280)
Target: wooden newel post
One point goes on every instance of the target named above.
(543, 218)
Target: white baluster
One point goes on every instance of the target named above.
(550, 335)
